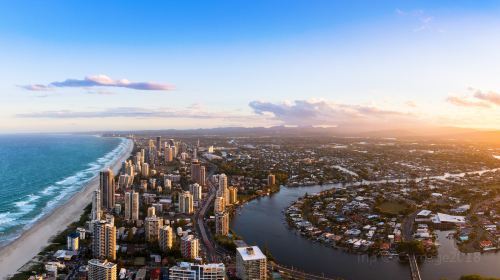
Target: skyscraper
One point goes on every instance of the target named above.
(222, 190)
(165, 241)
(107, 188)
(158, 143)
(197, 172)
(104, 240)
(251, 263)
(101, 270)
(189, 247)
(152, 225)
(222, 223)
(96, 205)
(167, 183)
(132, 206)
(195, 189)
(169, 154)
(186, 202)
(219, 205)
(145, 169)
(233, 195)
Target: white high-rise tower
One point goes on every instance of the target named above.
(96, 205)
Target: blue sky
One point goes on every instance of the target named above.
(218, 63)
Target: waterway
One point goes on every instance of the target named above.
(262, 222)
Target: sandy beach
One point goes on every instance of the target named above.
(32, 241)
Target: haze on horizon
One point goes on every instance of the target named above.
(125, 65)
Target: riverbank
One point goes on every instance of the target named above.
(261, 222)
(32, 241)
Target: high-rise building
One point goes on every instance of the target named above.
(158, 143)
(127, 169)
(165, 241)
(145, 169)
(271, 180)
(190, 271)
(219, 205)
(233, 195)
(152, 225)
(175, 149)
(186, 202)
(222, 190)
(104, 240)
(101, 270)
(195, 189)
(151, 212)
(124, 181)
(131, 206)
(143, 155)
(107, 188)
(190, 247)
(197, 172)
(152, 182)
(222, 223)
(169, 154)
(202, 176)
(138, 158)
(144, 185)
(171, 142)
(251, 263)
(96, 205)
(167, 183)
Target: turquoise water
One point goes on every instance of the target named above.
(40, 172)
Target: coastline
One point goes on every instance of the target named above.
(20, 251)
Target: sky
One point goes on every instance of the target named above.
(127, 65)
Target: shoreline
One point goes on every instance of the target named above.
(24, 248)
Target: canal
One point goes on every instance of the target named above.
(262, 222)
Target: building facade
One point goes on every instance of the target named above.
(190, 247)
(190, 271)
(186, 203)
(101, 270)
(107, 189)
(222, 223)
(196, 190)
(251, 263)
(165, 240)
(104, 240)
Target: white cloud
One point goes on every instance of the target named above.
(100, 81)
(330, 114)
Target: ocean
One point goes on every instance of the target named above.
(40, 172)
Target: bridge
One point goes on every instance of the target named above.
(415, 272)
(295, 274)
(407, 236)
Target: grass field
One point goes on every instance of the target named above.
(392, 207)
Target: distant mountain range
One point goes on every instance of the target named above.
(442, 133)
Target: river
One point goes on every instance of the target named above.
(263, 223)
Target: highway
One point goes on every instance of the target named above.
(407, 229)
(211, 253)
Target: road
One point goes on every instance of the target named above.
(407, 231)
(290, 273)
(211, 253)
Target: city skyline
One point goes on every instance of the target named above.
(124, 66)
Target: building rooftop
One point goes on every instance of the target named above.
(445, 218)
(104, 263)
(250, 253)
(424, 213)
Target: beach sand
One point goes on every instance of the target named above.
(14, 255)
